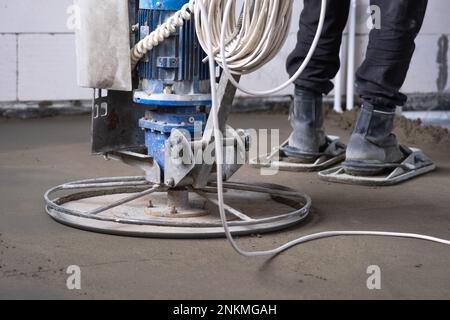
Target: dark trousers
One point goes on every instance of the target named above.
(389, 53)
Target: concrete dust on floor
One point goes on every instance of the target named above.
(35, 251)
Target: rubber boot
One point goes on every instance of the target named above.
(373, 149)
(307, 119)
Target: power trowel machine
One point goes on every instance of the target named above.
(157, 117)
(163, 107)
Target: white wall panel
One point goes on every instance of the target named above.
(8, 74)
(47, 59)
(33, 16)
(47, 68)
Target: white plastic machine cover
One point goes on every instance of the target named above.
(103, 44)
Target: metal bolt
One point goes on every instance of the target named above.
(167, 90)
(173, 210)
(135, 27)
(170, 182)
(175, 154)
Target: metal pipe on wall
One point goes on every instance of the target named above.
(351, 57)
(338, 84)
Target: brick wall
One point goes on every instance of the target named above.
(37, 52)
(37, 56)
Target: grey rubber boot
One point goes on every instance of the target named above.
(307, 119)
(373, 148)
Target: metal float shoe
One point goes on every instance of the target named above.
(415, 164)
(308, 148)
(374, 156)
(285, 158)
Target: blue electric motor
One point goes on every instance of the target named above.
(173, 79)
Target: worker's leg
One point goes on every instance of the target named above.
(379, 80)
(389, 52)
(306, 114)
(325, 62)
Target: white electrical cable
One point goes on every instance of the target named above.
(246, 46)
(254, 45)
(253, 42)
(200, 8)
(223, 51)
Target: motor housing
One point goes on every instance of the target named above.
(173, 78)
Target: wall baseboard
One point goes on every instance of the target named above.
(277, 104)
(44, 109)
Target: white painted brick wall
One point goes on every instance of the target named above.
(33, 16)
(46, 60)
(47, 68)
(8, 68)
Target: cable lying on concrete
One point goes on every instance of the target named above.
(241, 47)
(219, 152)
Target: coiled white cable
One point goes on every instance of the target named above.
(253, 42)
(261, 32)
(200, 8)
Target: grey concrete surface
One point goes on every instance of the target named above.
(35, 251)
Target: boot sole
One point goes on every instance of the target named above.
(297, 156)
(368, 169)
